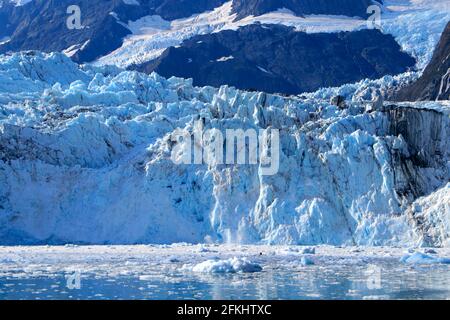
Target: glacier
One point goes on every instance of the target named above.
(85, 158)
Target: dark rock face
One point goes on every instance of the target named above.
(339, 101)
(420, 167)
(277, 59)
(245, 8)
(177, 9)
(41, 24)
(435, 81)
(425, 133)
(7, 20)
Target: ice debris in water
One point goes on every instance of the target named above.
(309, 250)
(306, 261)
(422, 258)
(201, 249)
(233, 265)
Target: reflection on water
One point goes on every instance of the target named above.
(383, 281)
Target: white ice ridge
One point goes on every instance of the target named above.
(85, 158)
(416, 25)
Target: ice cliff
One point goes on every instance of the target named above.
(85, 158)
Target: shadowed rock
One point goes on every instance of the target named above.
(278, 59)
(245, 8)
(434, 84)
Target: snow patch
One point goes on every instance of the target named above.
(19, 3)
(223, 59)
(4, 40)
(132, 2)
(72, 50)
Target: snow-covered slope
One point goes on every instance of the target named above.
(416, 25)
(152, 35)
(85, 156)
(95, 28)
(17, 3)
(434, 84)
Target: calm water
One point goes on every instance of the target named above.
(381, 281)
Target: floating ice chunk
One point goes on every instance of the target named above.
(200, 249)
(422, 258)
(305, 261)
(173, 260)
(309, 250)
(296, 250)
(69, 245)
(233, 265)
(291, 250)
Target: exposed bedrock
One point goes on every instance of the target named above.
(279, 59)
(434, 84)
(427, 135)
(245, 8)
(422, 169)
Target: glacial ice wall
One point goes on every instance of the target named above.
(85, 158)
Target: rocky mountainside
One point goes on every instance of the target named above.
(274, 58)
(41, 24)
(434, 84)
(318, 43)
(245, 8)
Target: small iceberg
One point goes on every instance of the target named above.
(299, 250)
(201, 249)
(309, 250)
(305, 261)
(422, 258)
(234, 265)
